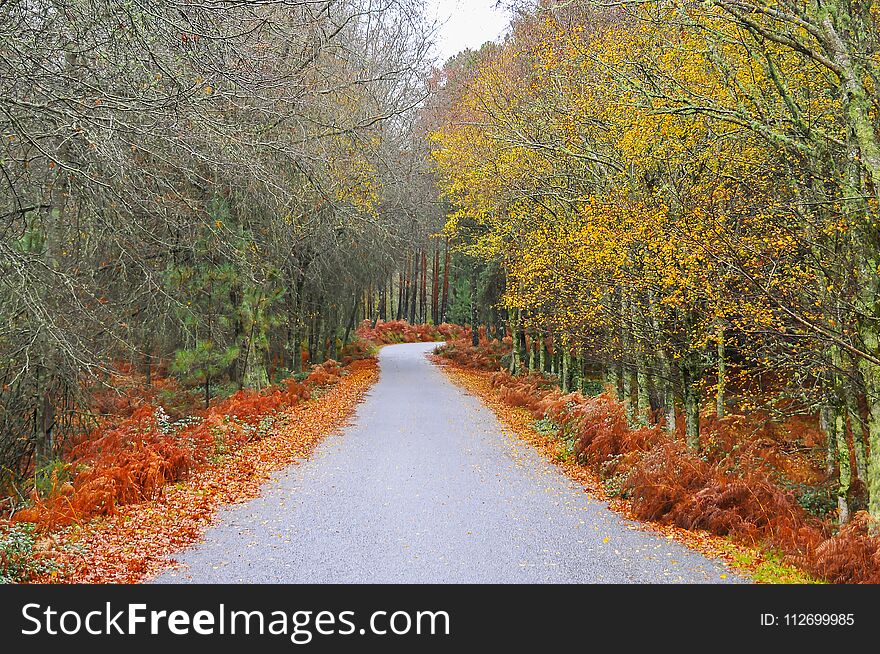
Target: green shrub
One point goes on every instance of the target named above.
(592, 387)
(818, 500)
(546, 427)
(51, 476)
(18, 558)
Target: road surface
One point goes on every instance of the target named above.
(425, 487)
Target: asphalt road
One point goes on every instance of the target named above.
(425, 487)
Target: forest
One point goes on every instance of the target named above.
(657, 214)
(682, 201)
(206, 192)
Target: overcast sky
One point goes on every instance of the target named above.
(465, 24)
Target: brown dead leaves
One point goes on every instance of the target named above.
(520, 422)
(138, 539)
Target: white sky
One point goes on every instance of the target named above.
(465, 24)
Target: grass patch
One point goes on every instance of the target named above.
(769, 567)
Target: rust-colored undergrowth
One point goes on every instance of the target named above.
(175, 499)
(400, 331)
(730, 490)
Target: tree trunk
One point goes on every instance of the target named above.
(380, 311)
(475, 330)
(400, 293)
(256, 354)
(352, 317)
(414, 289)
(566, 365)
(625, 346)
(435, 291)
(444, 305)
(690, 382)
(626, 396)
(321, 342)
(389, 297)
(858, 434)
(44, 425)
(294, 303)
(514, 366)
(313, 340)
(533, 353)
(542, 354)
(516, 352)
(423, 300)
(644, 400)
(844, 468)
(871, 375)
(582, 368)
(619, 379)
(669, 401)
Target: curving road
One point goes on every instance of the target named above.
(425, 487)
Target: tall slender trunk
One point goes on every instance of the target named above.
(407, 281)
(389, 294)
(871, 376)
(845, 406)
(515, 365)
(292, 297)
(840, 28)
(690, 383)
(399, 314)
(423, 300)
(445, 301)
(542, 354)
(517, 340)
(349, 326)
(475, 330)
(382, 295)
(643, 406)
(44, 425)
(643, 400)
(256, 355)
(844, 468)
(566, 364)
(582, 369)
(321, 341)
(669, 399)
(665, 380)
(313, 339)
(625, 345)
(414, 289)
(533, 352)
(609, 377)
(858, 433)
(435, 280)
(297, 336)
